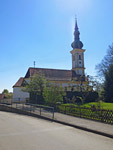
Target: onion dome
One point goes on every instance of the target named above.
(77, 43)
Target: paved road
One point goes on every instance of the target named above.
(18, 132)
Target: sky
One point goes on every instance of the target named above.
(42, 31)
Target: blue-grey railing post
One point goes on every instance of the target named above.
(53, 112)
(11, 102)
(40, 110)
(34, 108)
(80, 111)
(30, 107)
(23, 106)
(101, 115)
(11, 106)
(65, 110)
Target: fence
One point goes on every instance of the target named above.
(88, 113)
(35, 109)
(6, 101)
(48, 112)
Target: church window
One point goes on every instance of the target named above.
(79, 57)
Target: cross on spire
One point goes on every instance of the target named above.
(76, 25)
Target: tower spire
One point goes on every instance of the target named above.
(77, 43)
(77, 52)
(76, 25)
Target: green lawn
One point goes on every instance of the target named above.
(103, 105)
(84, 111)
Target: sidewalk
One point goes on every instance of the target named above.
(85, 124)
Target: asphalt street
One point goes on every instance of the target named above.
(19, 132)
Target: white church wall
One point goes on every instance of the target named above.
(19, 95)
(80, 71)
(64, 84)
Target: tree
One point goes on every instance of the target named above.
(104, 70)
(35, 88)
(108, 85)
(105, 63)
(53, 95)
(86, 86)
(7, 94)
(42, 92)
(5, 91)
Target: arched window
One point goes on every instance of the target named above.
(79, 57)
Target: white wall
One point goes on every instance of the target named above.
(19, 95)
(65, 85)
(80, 71)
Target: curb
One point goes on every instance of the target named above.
(85, 129)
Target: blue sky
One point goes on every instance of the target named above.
(42, 31)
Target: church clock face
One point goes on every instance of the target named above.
(80, 63)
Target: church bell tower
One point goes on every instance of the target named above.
(77, 53)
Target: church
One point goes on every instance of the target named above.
(65, 78)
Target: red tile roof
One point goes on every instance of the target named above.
(52, 74)
(19, 82)
(49, 74)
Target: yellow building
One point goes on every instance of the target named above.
(64, 78)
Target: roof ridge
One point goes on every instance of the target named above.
(49, 69)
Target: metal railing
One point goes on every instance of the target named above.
(41, 110)
(6, 101)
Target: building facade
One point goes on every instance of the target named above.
(65, 78)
